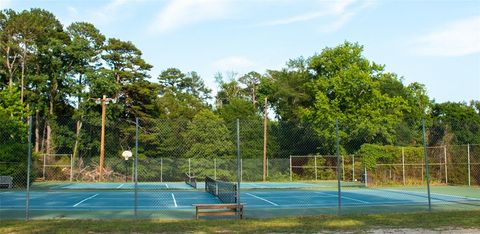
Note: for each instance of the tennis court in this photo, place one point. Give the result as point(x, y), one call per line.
point(175, 199)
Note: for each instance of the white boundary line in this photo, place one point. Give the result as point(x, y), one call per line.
point(120, 186)
point(166, 185)
point(420, 193)
point(263, 199)
point(344, 197)
point(88, 198)
point(174, 200)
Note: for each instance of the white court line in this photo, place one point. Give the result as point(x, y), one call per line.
point(420, 193)
point(120, 186)
point(344, 197)
point(166, 185)
point(275, 204)
point(174, 200)
point(88, 198)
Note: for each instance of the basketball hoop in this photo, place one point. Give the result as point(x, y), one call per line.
point(127, 154)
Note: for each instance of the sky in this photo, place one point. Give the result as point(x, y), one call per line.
point(433, 42)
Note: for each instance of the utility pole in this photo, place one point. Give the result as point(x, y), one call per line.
point(103, 101)
point(265, 141)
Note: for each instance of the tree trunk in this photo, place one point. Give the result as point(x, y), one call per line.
point(49, 129)
point(44, 134)
point(10, 66)
point(23, 71)
point(77, 140)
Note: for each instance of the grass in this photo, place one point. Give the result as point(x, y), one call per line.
point(354, 223)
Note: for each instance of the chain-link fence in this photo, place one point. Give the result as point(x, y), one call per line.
point(81, 168)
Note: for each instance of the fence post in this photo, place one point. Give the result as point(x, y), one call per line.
point(315, 164)
point(215, 168)
point(343, 167)
point(353, 168)
point(71, 167)
point(136, 169)
point(339, 195)
point(468, 163)
point(365, 175)
point(267, 166)
point(403, 166)
point(44, 165)
point(445, 158)
point(29, 162)
point(161, 169)
point(426, 165)
point(239, 173)
point(291, 177)
point(189, 173)
point(241, 169)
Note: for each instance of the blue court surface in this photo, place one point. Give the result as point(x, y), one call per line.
point(253, 199)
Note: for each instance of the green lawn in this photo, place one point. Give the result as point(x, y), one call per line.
point(434, 220)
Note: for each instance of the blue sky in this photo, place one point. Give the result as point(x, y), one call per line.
point(436, 43)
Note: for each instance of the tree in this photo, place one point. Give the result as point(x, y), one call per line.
point(251, 80)
point(83, 56)
point(125, 61)
point(455, 123)
point(10, 50)
point(208, 137)
point(289, 89)
point(175, 81)
point(181, 95)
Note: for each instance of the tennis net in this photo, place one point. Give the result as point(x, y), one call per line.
point(225, 191)
point(191, 180)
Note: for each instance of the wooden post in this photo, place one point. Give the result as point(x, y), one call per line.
point(265, 142)
point(102, 137)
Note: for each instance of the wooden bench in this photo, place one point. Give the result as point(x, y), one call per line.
point(6, 180)
point(225, 209)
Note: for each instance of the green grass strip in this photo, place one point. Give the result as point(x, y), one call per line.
point(355, 223)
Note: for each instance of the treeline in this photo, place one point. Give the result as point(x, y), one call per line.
point(55, 72)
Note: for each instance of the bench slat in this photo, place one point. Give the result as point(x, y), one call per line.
point(217, 213)
point(218, 209)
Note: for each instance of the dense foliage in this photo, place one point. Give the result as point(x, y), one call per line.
point(56, 74)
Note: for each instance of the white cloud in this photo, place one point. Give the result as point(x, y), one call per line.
point(4, 4)
point(72, 10)
point(109, 13)
point(457, 38)
point(327, 8)
point(233, 63)
point(335, 14)
point(100, 15)
point(179, 13)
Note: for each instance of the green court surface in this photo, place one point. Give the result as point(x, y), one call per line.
point(262, 199)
